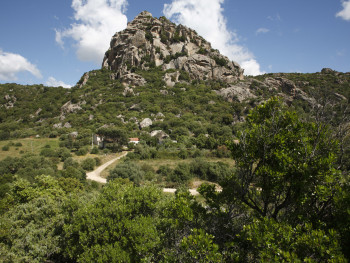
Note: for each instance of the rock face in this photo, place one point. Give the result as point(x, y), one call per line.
point(241, 92)
point(149, 42)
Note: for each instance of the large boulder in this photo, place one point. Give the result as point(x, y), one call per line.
point(145, 123)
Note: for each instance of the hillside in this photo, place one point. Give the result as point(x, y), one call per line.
point(269, 155)
point(193, 106)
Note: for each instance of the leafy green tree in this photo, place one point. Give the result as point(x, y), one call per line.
point(29, 230)
point(88, 164)
point(196, 247)
point(117, 136)
point(127, 170)
point(269, 241)
point(63, 153)
point(181, 174)
point(70, 162)
point(73, 172)
point(119, 226)
point(284, 165)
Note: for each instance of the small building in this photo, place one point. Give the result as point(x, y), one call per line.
point(98, 140)
point(134, 140)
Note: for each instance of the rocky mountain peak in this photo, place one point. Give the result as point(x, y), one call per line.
point(156, 42)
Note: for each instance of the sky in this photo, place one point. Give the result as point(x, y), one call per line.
point(54, 42)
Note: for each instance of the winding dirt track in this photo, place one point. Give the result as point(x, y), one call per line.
point(96, 175)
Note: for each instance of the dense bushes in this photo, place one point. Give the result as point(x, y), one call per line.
point(198, 168)
point(127, 170)
point(88, 164)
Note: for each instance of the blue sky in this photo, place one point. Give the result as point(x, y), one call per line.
point(54, 42)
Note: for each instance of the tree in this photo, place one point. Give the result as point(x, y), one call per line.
point(115, 138)
point(285, 166)
point(269, 241)
point(88, 164)
point(29, 231)
point(127, 170)
point(118, 226)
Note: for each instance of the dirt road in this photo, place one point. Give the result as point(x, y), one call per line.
point(95, 175)
point(173, 190)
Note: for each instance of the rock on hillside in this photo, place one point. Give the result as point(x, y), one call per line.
point(148, 41)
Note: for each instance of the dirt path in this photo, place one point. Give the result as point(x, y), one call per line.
point(95, 175)
point(173, 190)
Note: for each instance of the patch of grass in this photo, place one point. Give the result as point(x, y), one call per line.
point(29, 145)
point(172, 163)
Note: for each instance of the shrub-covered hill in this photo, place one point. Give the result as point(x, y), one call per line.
point(187, 109)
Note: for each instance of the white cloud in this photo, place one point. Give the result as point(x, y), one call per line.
point(206, 17)
point(52, 82)
point(276, 17)
point(96, 23)
point(251, 67)
point(345, 13)
point(11, 64)
point(262, 30)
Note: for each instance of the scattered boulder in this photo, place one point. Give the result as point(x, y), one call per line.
point(171, 78)
point(145, 123)
point(135, 107)
point(163, 92)
point(10, 101)
point(159, 134)
point(57, 125)
point(133, 79)
point(73, 134)
point(160, 115)
point(69, 107)
point(84, 79)
point(240, 92)
point(67, 125)
point(328, 71)
point(128, 92)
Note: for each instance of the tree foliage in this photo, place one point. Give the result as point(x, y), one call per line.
point(284, 165)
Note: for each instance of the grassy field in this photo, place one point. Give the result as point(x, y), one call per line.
point(172, 163)
point(29, 145)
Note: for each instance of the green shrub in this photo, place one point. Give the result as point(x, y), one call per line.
point(82, 151)
point(181, 174)
point(98, 161)
point(47, 152)
point(164, 170)
point(94, 150)
point(183, 154)
point(63, 153)
point(220, 61)
point(149, 36)
point(70, 162)
point(6, 148)
point(202, 51)
point(127, 170)
point(73, 172)
point(88, 164)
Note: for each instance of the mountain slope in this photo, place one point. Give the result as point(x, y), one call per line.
point(159, 76)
